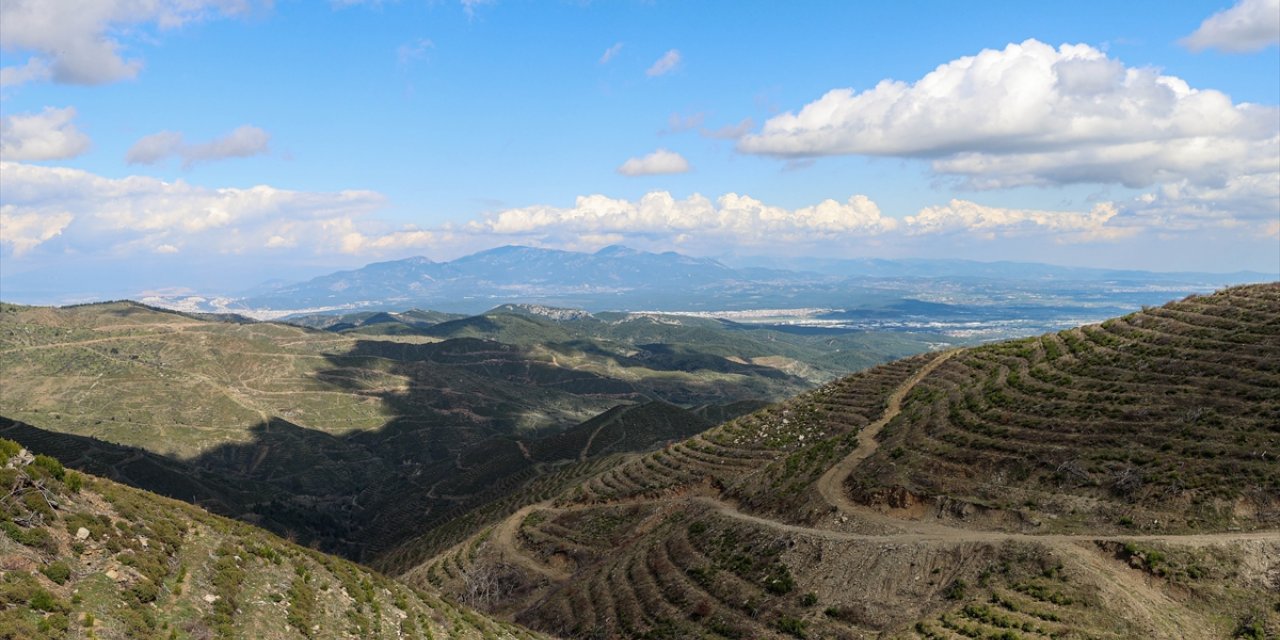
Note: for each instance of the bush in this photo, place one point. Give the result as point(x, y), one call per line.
point(42, 600)
point(779, 581)
point(792, 626)
point(36, 537)
point(74, 482)
point(51, 466)
point(57, 571)
point(9, 448)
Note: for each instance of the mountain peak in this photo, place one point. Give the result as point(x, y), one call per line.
point(618, 251)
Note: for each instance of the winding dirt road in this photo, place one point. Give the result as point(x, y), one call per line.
point(831, 487)
point(831, 484)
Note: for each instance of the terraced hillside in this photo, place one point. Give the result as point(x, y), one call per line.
point(1113, 481)
point(357, 437)
point(84, 557)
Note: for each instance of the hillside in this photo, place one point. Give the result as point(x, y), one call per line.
point(358, 436)
point(86, 557)
point(1112, 481)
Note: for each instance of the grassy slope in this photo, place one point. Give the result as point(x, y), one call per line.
point(964, 521)
point(86, 557)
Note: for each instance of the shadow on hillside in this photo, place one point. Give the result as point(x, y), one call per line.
point(453, 440)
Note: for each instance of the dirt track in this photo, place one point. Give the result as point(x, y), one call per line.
point(831, 484)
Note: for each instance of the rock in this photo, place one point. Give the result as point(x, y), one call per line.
point(82, 534)
point(210, 598)
point(112, 574)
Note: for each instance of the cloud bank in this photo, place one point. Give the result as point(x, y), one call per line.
point(95, 214)
point(56, 215)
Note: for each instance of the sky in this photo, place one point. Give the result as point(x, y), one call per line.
point(212, 145)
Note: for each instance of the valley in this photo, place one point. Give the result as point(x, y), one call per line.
point(378, 426)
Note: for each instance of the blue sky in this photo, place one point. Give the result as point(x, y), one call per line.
point(216, 144)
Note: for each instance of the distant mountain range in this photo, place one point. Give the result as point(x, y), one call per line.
point(619, 278)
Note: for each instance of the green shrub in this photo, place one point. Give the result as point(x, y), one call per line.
point(791, 626)
point(36, 537)
point(74, 482)
point(50, 465)
point(57, 571)
point(9, 448)
point(779, 580)
point(42, 600)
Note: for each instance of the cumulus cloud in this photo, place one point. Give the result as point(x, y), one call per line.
point(79, 42)
point(140, 212)
point(984, 221)
point(246, 141)
point(351, 240)
point(657, 163)
point(48, 135)
point(1245, 199)
point(731, 218)
point(1248, 26)
point(666, 64)
point(25, 231)
point(611, 53)
point(1031, 114)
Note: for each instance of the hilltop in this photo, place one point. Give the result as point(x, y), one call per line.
point(1114, 481)
point(83, 555)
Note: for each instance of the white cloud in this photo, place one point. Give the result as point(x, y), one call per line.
point(657, 163)
point(1063, 226)
point(245, 141)
point(351, 240)
point(1187, 206)
point(34, 69)
point(1033, 114)
point(48, 135)
point(1248, 26)
point(79, 42)
point(611, 53)
point(731, 218)
point(25, 231)
point(414, 50)
point(666, 64)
